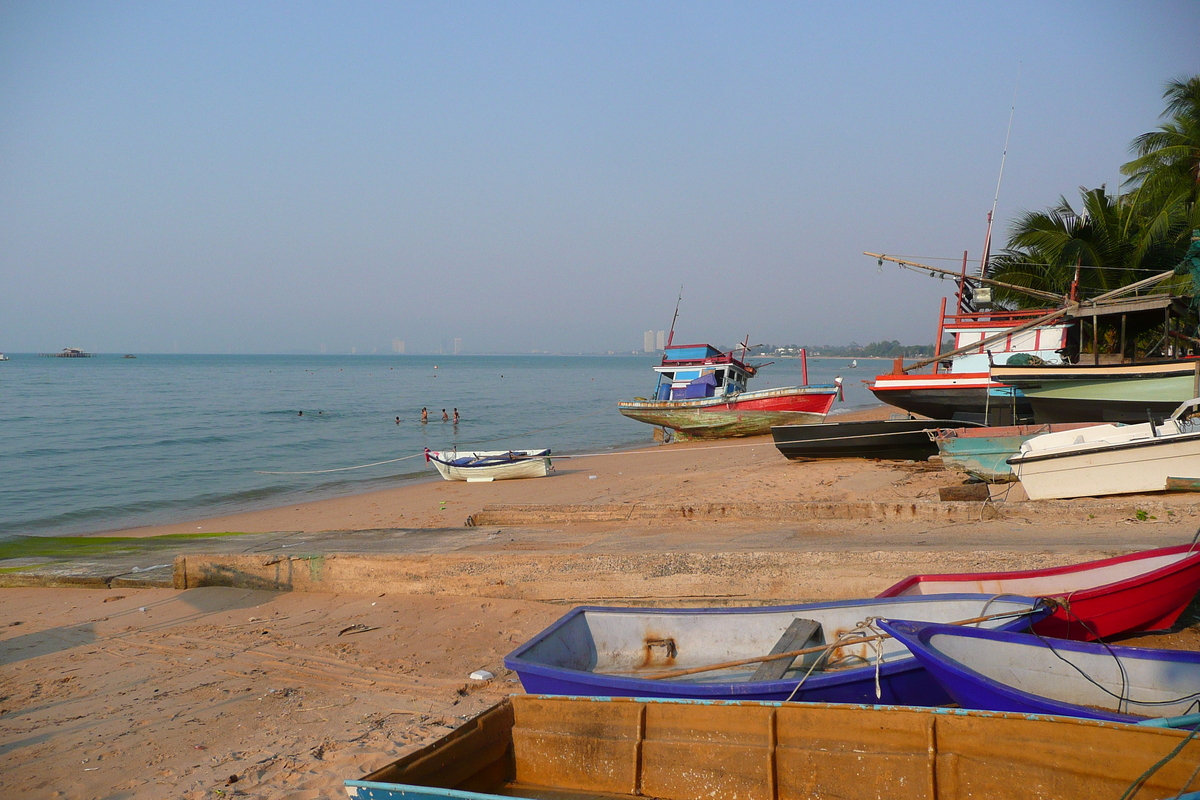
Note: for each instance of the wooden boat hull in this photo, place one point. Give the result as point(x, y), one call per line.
point(744, 414)
point(1113, 393)
point(892, 438)
point(1141, 591)
point(983, 452)
point(611, 651)
point(623, 749)
point(1005, 671)
point(525, 464)
point(1120, 468)
point(967, 396)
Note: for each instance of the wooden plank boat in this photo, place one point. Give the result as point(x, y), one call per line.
point(490, 465)
point(1102, 393)
point(702, 394)
point(885, 438)
point(1140, 591)
point(1006, 671)
point(1111, 459)
point(983, 452)
point(545, 748)
point(640, 652)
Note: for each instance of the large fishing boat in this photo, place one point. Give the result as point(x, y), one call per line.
point(962, 387)
point(1103, 392)
point(701, 393)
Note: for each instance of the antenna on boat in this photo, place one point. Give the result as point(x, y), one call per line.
point(679, 300)
point(987, 240)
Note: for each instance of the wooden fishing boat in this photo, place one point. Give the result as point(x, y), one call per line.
point(490, 465)
point(1147, 590)
point(961, 388)
point(902, 439)
point(1006, 671)
point(1104, 392)
point(1111, 459)
point(702, 394)
point(722, 653)
point(624, 749)
point(983, 452)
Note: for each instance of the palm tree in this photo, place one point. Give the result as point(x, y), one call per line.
point(1099, 240)
point(1165, 175)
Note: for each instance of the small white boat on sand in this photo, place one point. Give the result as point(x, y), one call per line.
point(1111, 459)
point(490, 465)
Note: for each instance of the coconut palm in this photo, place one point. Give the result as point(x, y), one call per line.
point(1165, 175)
point(1100, 240)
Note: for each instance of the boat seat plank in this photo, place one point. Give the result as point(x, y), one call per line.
point(800, 634)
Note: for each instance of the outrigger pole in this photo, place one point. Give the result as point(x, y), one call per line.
point(1057, 298)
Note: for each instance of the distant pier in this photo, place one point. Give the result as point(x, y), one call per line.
point(68, 352)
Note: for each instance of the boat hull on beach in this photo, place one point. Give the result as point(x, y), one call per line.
point(1103, 393)
point(983, 452)
point(1005, 671)
point(1110, 459)
point(635, 652)
point(742, 414)
point(490, 465)
point(961, 396)
point(902, 439)
point(624, 749)
point(1142, 591)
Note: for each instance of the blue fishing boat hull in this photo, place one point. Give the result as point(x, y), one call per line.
point(992, 670)
point(981, 457)
point(582, 653)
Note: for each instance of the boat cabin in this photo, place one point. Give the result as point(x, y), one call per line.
point(1047, 343)
point(696, 371)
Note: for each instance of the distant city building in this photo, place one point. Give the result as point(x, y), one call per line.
point(648, 342)
point(661, 341)
point(398, 346)
point(457, 346)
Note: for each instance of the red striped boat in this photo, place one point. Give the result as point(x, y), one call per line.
point(1141, 591)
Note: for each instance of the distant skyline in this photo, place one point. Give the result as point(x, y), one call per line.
point(219, 177)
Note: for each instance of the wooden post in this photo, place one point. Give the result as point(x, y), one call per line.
point(1095, 340)
point(804, 366)
point(937, 344)
point(1124, 318)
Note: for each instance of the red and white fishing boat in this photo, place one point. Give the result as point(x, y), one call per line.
point(1094, 600)
point(962, 387)
point(701, 393)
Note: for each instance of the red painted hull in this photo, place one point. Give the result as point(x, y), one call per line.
point(744, 414)
point(1136, 592)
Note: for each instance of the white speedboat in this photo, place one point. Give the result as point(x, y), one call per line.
point(3, 357)
point(490, 465)
point(1111, 459)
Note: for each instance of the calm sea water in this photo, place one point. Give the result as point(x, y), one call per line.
point(107, 442)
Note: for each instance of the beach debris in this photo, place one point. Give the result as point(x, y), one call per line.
point(591, 477)
point(142, 609)
point(358, 628)
point(231, 780)
point(481, 675)
point(114, 597)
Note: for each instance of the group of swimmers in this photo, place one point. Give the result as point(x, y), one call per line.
point(425, 416)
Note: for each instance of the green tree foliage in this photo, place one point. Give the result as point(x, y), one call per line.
point(1165, 175)
point(1115, 240)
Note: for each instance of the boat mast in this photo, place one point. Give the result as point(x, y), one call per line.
point(678, 300)
point(987, 239)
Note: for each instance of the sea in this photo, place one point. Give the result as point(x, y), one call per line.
point(108, 443)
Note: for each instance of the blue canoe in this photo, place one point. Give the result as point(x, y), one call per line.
point(993, 670)
point(635, 652)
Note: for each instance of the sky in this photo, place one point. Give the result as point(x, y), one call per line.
point(300, 177)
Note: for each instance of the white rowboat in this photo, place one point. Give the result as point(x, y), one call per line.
point(490, 465)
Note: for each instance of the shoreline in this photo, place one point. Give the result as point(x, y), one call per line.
point(385, 507)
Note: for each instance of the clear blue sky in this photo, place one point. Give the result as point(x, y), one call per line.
point(273, 177)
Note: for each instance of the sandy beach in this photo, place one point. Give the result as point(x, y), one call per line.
point(232, 692)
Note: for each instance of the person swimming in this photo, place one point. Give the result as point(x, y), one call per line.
point(445, 416)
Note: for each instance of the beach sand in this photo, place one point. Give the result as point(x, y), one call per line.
point(222, 692)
